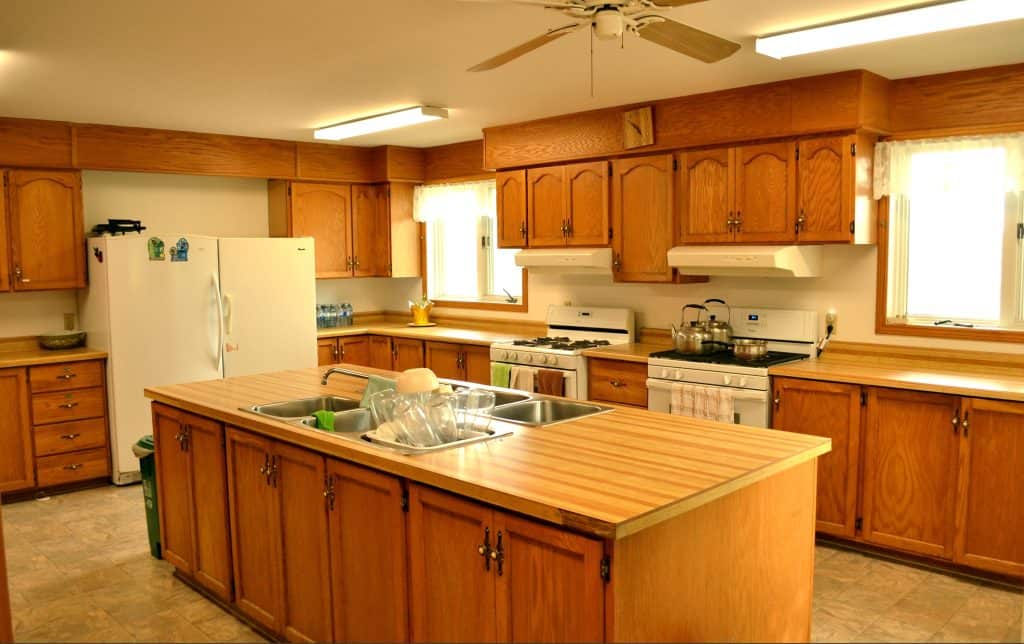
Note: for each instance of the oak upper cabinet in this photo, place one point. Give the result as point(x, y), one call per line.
point(990, 490)
point(281, 555)
point(910, 468)
point(406, 354)
point(45, 231)
point(17, 470)
point(501, 561)
point(707, 195)
point(831, 410)
point(643, 221)
point(834, 202)
point(546, 207)
point(467, 362)
point(371, 247)
point(568, 205)
point(5, 240)
point(511, 208)
point(192, 481)
point(369, 576)
point(324, 212)
point(765, 187)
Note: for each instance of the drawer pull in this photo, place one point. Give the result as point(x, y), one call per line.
point(616, 383)
point(69, 405)
point(74, 467)
point(70, 437)
point(66, 376)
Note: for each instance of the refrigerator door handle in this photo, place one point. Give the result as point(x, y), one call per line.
point(220, 324)
point(228, 313)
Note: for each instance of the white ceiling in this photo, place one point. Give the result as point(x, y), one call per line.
point(277, 68)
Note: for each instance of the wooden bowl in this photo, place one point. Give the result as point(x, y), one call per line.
point(62, 340)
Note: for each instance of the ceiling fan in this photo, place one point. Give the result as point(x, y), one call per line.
point(610, 19)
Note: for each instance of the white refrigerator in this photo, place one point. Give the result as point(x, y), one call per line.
point(175, 308)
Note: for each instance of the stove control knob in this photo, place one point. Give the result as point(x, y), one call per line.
point(743, 381)
point(727, 380)
point(504, 355)
point(528, 357)
point(666, 374)
point(679, 374)
point(553, 361)
point(542, 359)
point(513, 355)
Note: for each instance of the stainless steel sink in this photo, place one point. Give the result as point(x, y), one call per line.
point(547, 411)
point(501, 396)
point(293, 409)
point(347, 422)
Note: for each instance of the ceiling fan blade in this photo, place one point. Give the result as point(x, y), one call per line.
point(674, 3)
point(687, 40)
point(525, 48)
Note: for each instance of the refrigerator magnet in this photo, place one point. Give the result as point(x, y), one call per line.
point(155, 246)
point(179, 252)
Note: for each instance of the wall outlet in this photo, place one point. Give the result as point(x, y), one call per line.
point(831, 319)
point(69, 321)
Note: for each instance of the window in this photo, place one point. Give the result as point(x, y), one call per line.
point(954, 256)
point(463, 263)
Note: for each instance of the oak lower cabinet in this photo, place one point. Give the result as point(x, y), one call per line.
point(381, 355)
point(16, 458)
point(831, 410)
point(468, 362)
point(643, 218)
point(192, 484)
point(395, 354)
point(618, 382)
point(516, 580)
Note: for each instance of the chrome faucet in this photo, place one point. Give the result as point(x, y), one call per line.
point(345, 372)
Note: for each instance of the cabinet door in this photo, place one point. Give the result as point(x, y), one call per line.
point(369, 231)
point(766, 192)
point(209, 480)
point(476, 363)
point(706, 196)
point(587, 203)
point(382, 248)
point(831, 410)
point(511, 208)
point(324, 212)
point(546, 219)
point(408, 354)
point(380, 352)
point(543, 566)
point(642, 218)
point(990, 488)
point(255, 529)
point(16, 465)
point(298, 483)
point(354, 350)
point(910, 462)
point(452, 589)
point(5, 275)
point(174, 483)
point(825, 187)
point(368, 555)
point(445, 359)
point(46, 229)
point(327, 351)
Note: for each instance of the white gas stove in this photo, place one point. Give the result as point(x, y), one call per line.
point(571, 329)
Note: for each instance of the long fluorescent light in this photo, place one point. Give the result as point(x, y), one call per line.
point(380, 122)
point(944, 16)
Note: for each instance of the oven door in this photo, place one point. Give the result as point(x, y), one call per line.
point(751, 406)
point(571, 382)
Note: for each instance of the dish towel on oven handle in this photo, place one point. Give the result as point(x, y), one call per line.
point(706, 403)
point(550, 382)
point(522, 379)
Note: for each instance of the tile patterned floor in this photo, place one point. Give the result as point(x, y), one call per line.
point(80, 571)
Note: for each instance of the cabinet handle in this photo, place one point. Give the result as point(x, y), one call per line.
point(617, 262)
point(273, 472)
point(777, 400)
point(334, 351)
point(956, 422)
point(965, 424)
point(69, 437)
point(739, 221)
point(265, 468)
point(20, 275)
point(66, 376)
point(341, 348)
point(522, 230)
point(355, 261)
point(329, 492)
point(74, 467)
point(568, 228)
point(729, 223)
point(348, 262)
point(616, 383)
point(484, 549)
point(69, 405)
point(498, 555)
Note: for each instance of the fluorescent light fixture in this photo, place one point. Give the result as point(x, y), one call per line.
point(380, 122)
point(926, 19)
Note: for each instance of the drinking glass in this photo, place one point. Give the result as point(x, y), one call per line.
point(440, 410)
point(472, 410)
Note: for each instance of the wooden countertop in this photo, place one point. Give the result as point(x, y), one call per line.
point(609, 475)
point(632, 352)
point(27, 357)
point(440, 333)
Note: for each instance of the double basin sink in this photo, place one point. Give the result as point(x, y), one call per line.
point(353, 422)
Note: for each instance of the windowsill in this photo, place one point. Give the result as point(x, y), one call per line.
point(893, 327)
point(484, 305)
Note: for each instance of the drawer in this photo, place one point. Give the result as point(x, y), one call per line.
point(70, 437)
point(618, 381)
point(68, 468)
point(60, 406)
point(67, 375)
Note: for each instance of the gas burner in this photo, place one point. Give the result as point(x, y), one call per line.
point(725, 357)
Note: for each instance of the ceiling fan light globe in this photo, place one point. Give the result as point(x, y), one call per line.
point(608, 24)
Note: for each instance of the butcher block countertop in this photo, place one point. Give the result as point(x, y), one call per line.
point(960, 373)
point(437, 333)
point(609, 475)
point(25, 352)
point(632, 352)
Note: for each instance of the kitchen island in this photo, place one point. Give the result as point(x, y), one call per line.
point(624, 526)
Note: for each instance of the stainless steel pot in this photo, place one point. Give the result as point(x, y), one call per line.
point(693, 337)
point(749, 349)
point(721, 330)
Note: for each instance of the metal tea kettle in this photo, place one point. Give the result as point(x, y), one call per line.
point(692, 337)
point(720, 330)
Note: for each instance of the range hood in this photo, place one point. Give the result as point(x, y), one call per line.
point(593, 261)
point(748, 261)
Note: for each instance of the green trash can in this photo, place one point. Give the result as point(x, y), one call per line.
point(147, 465)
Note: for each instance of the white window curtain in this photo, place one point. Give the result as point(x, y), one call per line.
point(449, 201)
point(954, 205)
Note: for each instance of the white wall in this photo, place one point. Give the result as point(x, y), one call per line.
point(848, 286)
point(369, 293)
point(34, 313)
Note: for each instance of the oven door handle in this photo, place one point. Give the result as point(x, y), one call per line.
point(738, 394)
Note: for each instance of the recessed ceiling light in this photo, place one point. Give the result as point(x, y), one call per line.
point(380, 122)
point(943, 16)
